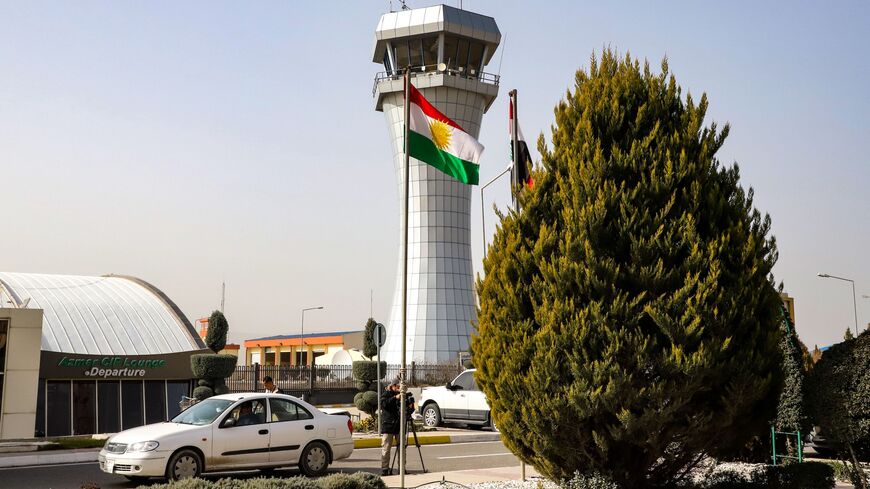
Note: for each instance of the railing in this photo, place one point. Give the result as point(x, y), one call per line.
point(428, 70)
point(294, 379)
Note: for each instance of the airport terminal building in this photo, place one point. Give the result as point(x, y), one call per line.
point(82, 355)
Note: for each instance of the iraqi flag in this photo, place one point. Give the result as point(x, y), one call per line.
point(440, 142)
point(524, 167)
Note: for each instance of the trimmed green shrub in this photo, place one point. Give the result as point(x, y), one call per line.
point(221, 389)
point(807, 475)
point(730, 480)
point(369, 481)
point(363, 385)
point(370, 347)
point(185, 484)
point(366, 402)
point(339, 481)
point(216, 337)
point(204, 383)
point(629, 320)
point(359, 480)
point(367, 370)
point(211, 366)
point(203, 392)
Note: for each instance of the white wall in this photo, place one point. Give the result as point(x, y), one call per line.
point(18, 408)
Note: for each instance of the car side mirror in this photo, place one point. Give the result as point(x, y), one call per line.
point(229, 422)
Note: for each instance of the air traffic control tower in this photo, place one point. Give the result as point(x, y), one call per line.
point(446, 50)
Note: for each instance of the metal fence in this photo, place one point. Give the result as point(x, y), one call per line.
point(298, 378)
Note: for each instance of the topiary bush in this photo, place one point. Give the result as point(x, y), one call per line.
point(370, 347)
point(628, 311)
point(211, 366)
point(366, 402)
point(216, 336)
point(203, 392)
point(358, 480)
point(365, 370)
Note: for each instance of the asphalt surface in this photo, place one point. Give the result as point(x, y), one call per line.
point(437, 458)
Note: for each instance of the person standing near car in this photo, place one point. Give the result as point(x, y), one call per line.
point(270, 386)
point(390, 421)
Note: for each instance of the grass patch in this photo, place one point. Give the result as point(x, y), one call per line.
point(69, 443)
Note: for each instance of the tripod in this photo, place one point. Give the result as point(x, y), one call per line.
point(409, 428)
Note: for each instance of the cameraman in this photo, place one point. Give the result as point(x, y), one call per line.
point(391, 422)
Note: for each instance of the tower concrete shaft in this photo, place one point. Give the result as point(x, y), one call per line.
point(445, 50)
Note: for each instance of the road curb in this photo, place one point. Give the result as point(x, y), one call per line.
point(48, 458)
point(431, 439)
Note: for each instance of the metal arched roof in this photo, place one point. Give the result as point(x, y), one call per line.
point(109, 315)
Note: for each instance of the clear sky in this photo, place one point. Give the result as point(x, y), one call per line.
point(188, 143)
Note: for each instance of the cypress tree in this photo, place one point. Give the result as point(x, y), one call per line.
point(628, 321)
point(790, 414)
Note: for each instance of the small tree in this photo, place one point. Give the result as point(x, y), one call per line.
point(370, 347)
point(848, 335)
point(839, 398)
point(790, 415)
point(212, 369)
point(628, 320)
point(216, 337)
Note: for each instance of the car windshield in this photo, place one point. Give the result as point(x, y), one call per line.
point(203, 413)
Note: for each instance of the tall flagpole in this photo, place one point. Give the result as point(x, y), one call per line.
point(515, 174)
point(402, 386)
point(516, 185)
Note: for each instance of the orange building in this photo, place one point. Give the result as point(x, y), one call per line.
point(298, 349)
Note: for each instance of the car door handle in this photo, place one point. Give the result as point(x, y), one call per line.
point(263, 432)
point(309, 427)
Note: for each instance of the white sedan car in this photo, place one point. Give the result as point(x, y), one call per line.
point(231, 431)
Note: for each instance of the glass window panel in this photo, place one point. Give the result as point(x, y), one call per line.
point(109, 406)
point(176, 389)
point(387, 66)
point(84, 407)
point(402, 55)
point(450, 51)
point(416, 47)
point(475, 58)
point(430, 52)
point(155, 401)
point(131, 404)
point(464, 381)
point(40, 409)
point(462, 53)
point(58, 397)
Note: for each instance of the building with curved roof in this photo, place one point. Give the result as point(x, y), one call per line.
point(108, 315)
point(87, 355)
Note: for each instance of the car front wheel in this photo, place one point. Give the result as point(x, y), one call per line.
point(431, 415)
point(184, 464)
point(314, 460)
point(492, 425)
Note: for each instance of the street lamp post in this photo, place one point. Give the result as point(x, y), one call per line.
point(854, 300)
point(302, 336)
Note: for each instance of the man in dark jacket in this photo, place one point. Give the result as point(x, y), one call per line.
point(390, 422)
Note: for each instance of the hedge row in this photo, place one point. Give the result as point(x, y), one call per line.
point(359, 480)
point(808, 475)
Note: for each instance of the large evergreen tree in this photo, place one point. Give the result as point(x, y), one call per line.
point(628, 321)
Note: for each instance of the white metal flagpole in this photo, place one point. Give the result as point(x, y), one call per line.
point(402, 386)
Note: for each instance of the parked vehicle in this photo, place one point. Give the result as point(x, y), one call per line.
point(460, 401)
point(231, 431)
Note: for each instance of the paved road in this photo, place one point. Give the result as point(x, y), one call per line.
point(438, 458)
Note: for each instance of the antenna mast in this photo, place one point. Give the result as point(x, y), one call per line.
point(223, 294)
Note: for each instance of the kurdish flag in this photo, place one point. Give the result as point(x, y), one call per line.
point(440, 142)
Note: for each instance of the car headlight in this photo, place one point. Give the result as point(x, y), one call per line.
point(143, 446)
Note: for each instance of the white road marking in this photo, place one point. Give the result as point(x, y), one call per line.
point(475, 456)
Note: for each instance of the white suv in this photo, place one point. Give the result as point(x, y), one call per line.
point(459, 401)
